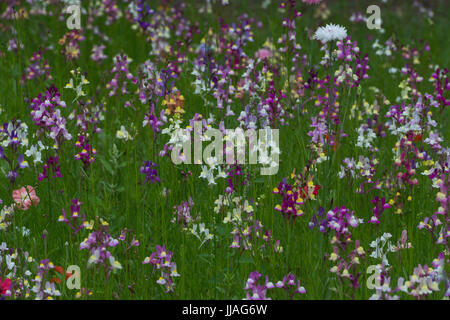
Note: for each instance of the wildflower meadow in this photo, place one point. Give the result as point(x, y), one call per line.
point(224, 150)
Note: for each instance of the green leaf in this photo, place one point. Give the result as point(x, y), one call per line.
point(107, 166)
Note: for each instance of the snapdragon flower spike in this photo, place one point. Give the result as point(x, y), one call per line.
point(380, 206)
point(143, 12)
point(319, 219)
point(72, 221)
point(340, 219)
point(272, 108)
point(383, 284)
point(70, 44)
point(21, 164)
point(53, 164)
point(439, 230)
point(423, 282)
point(38, 69)
point(254, 291)
point(87, 153)
point(152, 120)
point(13, 135)
point(150, 172)
point(111, 11)
point(236, 178)
point(443, 196)
point(16, 278)
point(119, 84)
point(290, 207)
point(98, 243)
point(43, 288)
point(320, 130)
point(161, 260)
point(441, 84)
point(133, 242)
point(97, 53)
point(47, 115)
point(290, 286)
point(182, 213)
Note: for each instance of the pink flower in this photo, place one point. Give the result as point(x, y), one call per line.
point(311, 1)
point(24, 198)
point(263, 54)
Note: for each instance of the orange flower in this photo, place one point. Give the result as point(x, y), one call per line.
point(417, 137)
point(60, 270)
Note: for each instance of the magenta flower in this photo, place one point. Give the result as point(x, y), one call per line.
point(380, 206)
point(311, 1)
point(52, 163)
point(5, 287)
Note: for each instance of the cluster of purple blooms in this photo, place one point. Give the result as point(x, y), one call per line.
point(97, 53)
point(52, 164)
point(245, 237)
point(133, 241)
point(441, 84)
point(43, 288)
point(98, 243)
point(121, 76)
point(46, 114)
point(38, 69)
point(290, 205)
point(380, 206)
point(149, 169)
point(87, 153)
point(143, 11)
point(161, 260)
point(258, 291)
point(235, 178)
point(182, 213)
point(13, 135)
point(152, 120)
point(73, 221)
point(345, 260)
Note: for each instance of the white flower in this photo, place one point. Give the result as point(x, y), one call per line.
point(114, 263)
point(161, 280)
point(35, 152)
point(330, 32)
point(95, 257)
point(123, 134)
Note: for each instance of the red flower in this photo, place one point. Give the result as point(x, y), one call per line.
point(305, 191)
point(5, 286)
point(60, 270)
point(417, 137)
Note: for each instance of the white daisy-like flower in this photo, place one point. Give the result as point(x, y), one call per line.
point(330, 32)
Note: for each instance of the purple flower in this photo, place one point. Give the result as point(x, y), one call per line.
point(150, 172)
point(75, 211)
point(99, 243)
point(380, 206)
point(161, 260)
point(52, 163)
point(87, 153)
